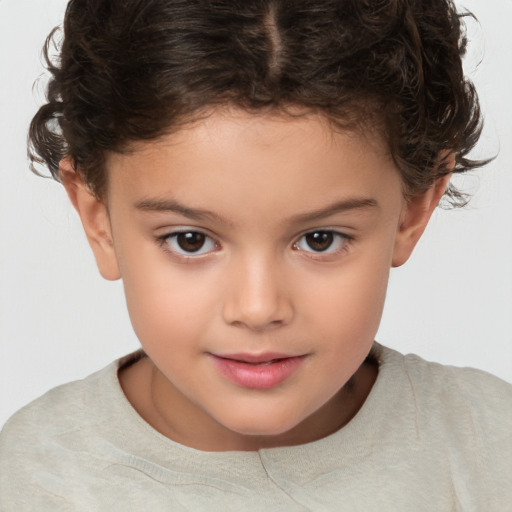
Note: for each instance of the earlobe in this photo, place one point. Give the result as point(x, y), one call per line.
point(415, 216)
point(93, 213)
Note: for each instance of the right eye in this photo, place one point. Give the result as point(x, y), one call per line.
point(189, 243)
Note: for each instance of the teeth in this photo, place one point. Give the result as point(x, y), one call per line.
point(263, 363)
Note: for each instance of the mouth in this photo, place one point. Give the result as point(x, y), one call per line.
point(262, 371)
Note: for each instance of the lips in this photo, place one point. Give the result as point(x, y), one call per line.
point(263, 371)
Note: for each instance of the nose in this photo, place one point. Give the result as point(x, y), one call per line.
point(258, 297)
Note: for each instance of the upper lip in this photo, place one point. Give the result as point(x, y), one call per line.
point(256, 358)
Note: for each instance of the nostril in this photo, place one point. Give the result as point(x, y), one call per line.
point(257, 300)
point(257, 327)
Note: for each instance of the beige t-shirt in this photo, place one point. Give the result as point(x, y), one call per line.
point(428, 438)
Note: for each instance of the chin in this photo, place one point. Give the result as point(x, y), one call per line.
point(267, 427)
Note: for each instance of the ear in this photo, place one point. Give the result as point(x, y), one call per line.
point(93, 213)
point(414, 219)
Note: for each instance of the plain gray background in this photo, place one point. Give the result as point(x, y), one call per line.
point(60, 321)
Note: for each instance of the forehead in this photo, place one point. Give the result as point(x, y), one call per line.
point(266, 158)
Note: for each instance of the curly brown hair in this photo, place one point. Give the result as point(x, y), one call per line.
point(131, 70)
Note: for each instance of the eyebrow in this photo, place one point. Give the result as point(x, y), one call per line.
point(169, 205)
point(337, 207)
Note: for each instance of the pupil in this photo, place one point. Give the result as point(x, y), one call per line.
point(191, 242)
point(320, 240)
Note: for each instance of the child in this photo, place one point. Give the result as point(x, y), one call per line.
point(252, 170)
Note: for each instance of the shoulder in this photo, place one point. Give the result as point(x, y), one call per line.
point(462, 422)
point(458, 394)
point(486, 396)
point(464, 397)
point(51, 432)
point(474, 405)
point(60, 409)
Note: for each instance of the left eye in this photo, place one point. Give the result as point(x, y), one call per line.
point(321, 241)
point(190, 243)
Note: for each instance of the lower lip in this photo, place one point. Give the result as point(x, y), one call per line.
point(258, 376)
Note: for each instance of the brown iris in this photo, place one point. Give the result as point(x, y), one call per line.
point(191, 241)
point(320, 240)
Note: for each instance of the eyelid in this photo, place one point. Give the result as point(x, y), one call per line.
point(163, 242)
point(318, 255)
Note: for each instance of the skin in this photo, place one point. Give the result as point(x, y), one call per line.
point(256, 285)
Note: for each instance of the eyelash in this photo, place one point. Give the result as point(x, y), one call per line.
point(344, 241)
point(165, 244)
point(342, 238)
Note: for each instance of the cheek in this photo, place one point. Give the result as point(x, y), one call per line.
point(166, 302)
point(348, 300)
point(347, 320)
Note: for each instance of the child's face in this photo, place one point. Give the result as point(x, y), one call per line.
point(253, 238)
